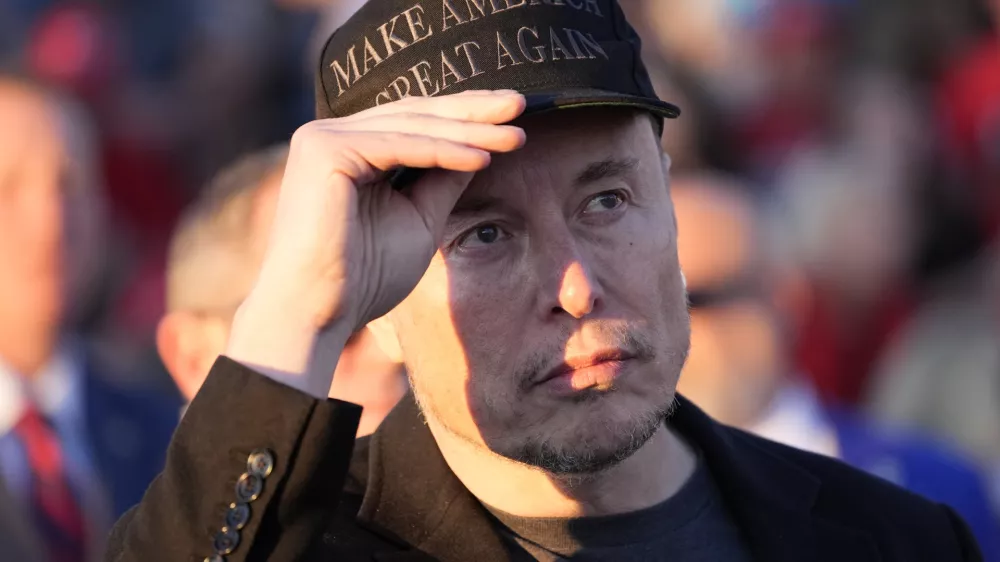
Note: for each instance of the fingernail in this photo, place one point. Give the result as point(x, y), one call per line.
point(522, 136)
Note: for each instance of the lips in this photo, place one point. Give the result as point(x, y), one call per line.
point(584, 362)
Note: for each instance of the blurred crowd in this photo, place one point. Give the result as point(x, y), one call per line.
point(837, 176)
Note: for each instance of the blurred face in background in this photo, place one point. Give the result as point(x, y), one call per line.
point(49, 213)
point(735, 364)
point(206, 288)
point(849, 223)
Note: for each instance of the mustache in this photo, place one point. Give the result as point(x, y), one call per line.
point(618, 336)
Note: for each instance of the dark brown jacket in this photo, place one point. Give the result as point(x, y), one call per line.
point(397, 501)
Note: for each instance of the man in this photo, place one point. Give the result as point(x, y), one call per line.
point(214, 257)
point(527, 275)
point(738, 370)
point(956, 328)
point(77, 448)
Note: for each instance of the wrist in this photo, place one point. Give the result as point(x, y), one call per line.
point(271, 338)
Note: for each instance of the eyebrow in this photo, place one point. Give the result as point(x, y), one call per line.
point(476, 205)
point(596, 171)
point(607, 168)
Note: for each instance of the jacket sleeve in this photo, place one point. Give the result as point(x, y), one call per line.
point(253, 472)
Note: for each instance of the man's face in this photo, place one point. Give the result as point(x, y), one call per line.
point(47, 210)
point(735, 364)
point(551, 325)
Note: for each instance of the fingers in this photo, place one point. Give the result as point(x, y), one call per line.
point(456, 132)
point(494, 138)
point(483, 106)
point(358, 153)
point(435, 195)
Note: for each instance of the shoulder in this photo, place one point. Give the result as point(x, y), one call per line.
point(852, 498)
point(835, 477)
point(112, 401)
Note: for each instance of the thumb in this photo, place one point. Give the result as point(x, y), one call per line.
point(434, 196)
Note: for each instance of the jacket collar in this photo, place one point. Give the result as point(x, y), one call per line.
point(413, 494)
point(413, 498)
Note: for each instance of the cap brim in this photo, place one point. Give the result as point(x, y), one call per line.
point(541, 102)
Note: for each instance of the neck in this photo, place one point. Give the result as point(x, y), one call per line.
point(650, 476)
point(27, 349)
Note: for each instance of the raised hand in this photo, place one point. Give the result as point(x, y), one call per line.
point(345, 246)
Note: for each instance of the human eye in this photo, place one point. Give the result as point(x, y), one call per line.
point(604, 202)
point(481, 236)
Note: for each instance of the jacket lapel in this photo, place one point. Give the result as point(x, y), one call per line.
point(771, 499)
point(412, 494)
point(19, 540)
point(412, 497)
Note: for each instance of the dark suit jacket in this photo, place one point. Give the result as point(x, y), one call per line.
point(129, 430)
point(127, 433)
point(399, 502)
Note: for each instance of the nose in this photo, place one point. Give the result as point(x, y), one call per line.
point(567, 284)
point(579, 293)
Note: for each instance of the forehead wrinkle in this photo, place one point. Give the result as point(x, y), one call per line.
point(503, 187)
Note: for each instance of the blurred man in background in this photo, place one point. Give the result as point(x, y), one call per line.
point(214, 257)
point(942, 372)
point(739, 366)
point(77, 448)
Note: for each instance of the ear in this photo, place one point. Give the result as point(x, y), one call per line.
point(386, 338)
point(189, 345)
point(667, 162)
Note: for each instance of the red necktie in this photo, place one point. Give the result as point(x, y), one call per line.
point(56, 511)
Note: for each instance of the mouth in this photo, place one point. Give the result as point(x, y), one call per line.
point(598, 370)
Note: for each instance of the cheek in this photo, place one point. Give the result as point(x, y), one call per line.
point(642, 266)
point(452, 326)
point(491, 315)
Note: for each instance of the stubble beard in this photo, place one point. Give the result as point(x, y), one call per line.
point(582, 458)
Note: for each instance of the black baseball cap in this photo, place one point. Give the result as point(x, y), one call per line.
point(558, 53)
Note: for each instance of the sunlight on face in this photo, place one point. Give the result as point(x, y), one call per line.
point(552, 324)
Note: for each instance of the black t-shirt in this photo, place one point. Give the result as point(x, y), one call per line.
point(690, 526)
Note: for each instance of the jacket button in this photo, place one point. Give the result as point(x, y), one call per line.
point(260, 463)
point(248, 488)
point(215, 558)
point(226, 541)
point(237, 516)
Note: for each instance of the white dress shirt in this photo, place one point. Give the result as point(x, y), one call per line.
point(58, 391)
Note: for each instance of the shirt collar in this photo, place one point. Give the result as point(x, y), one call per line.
point(796, 417)
point(12, 401)
point(55, 390)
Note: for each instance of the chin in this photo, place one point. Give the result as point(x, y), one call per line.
point(593, 432)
